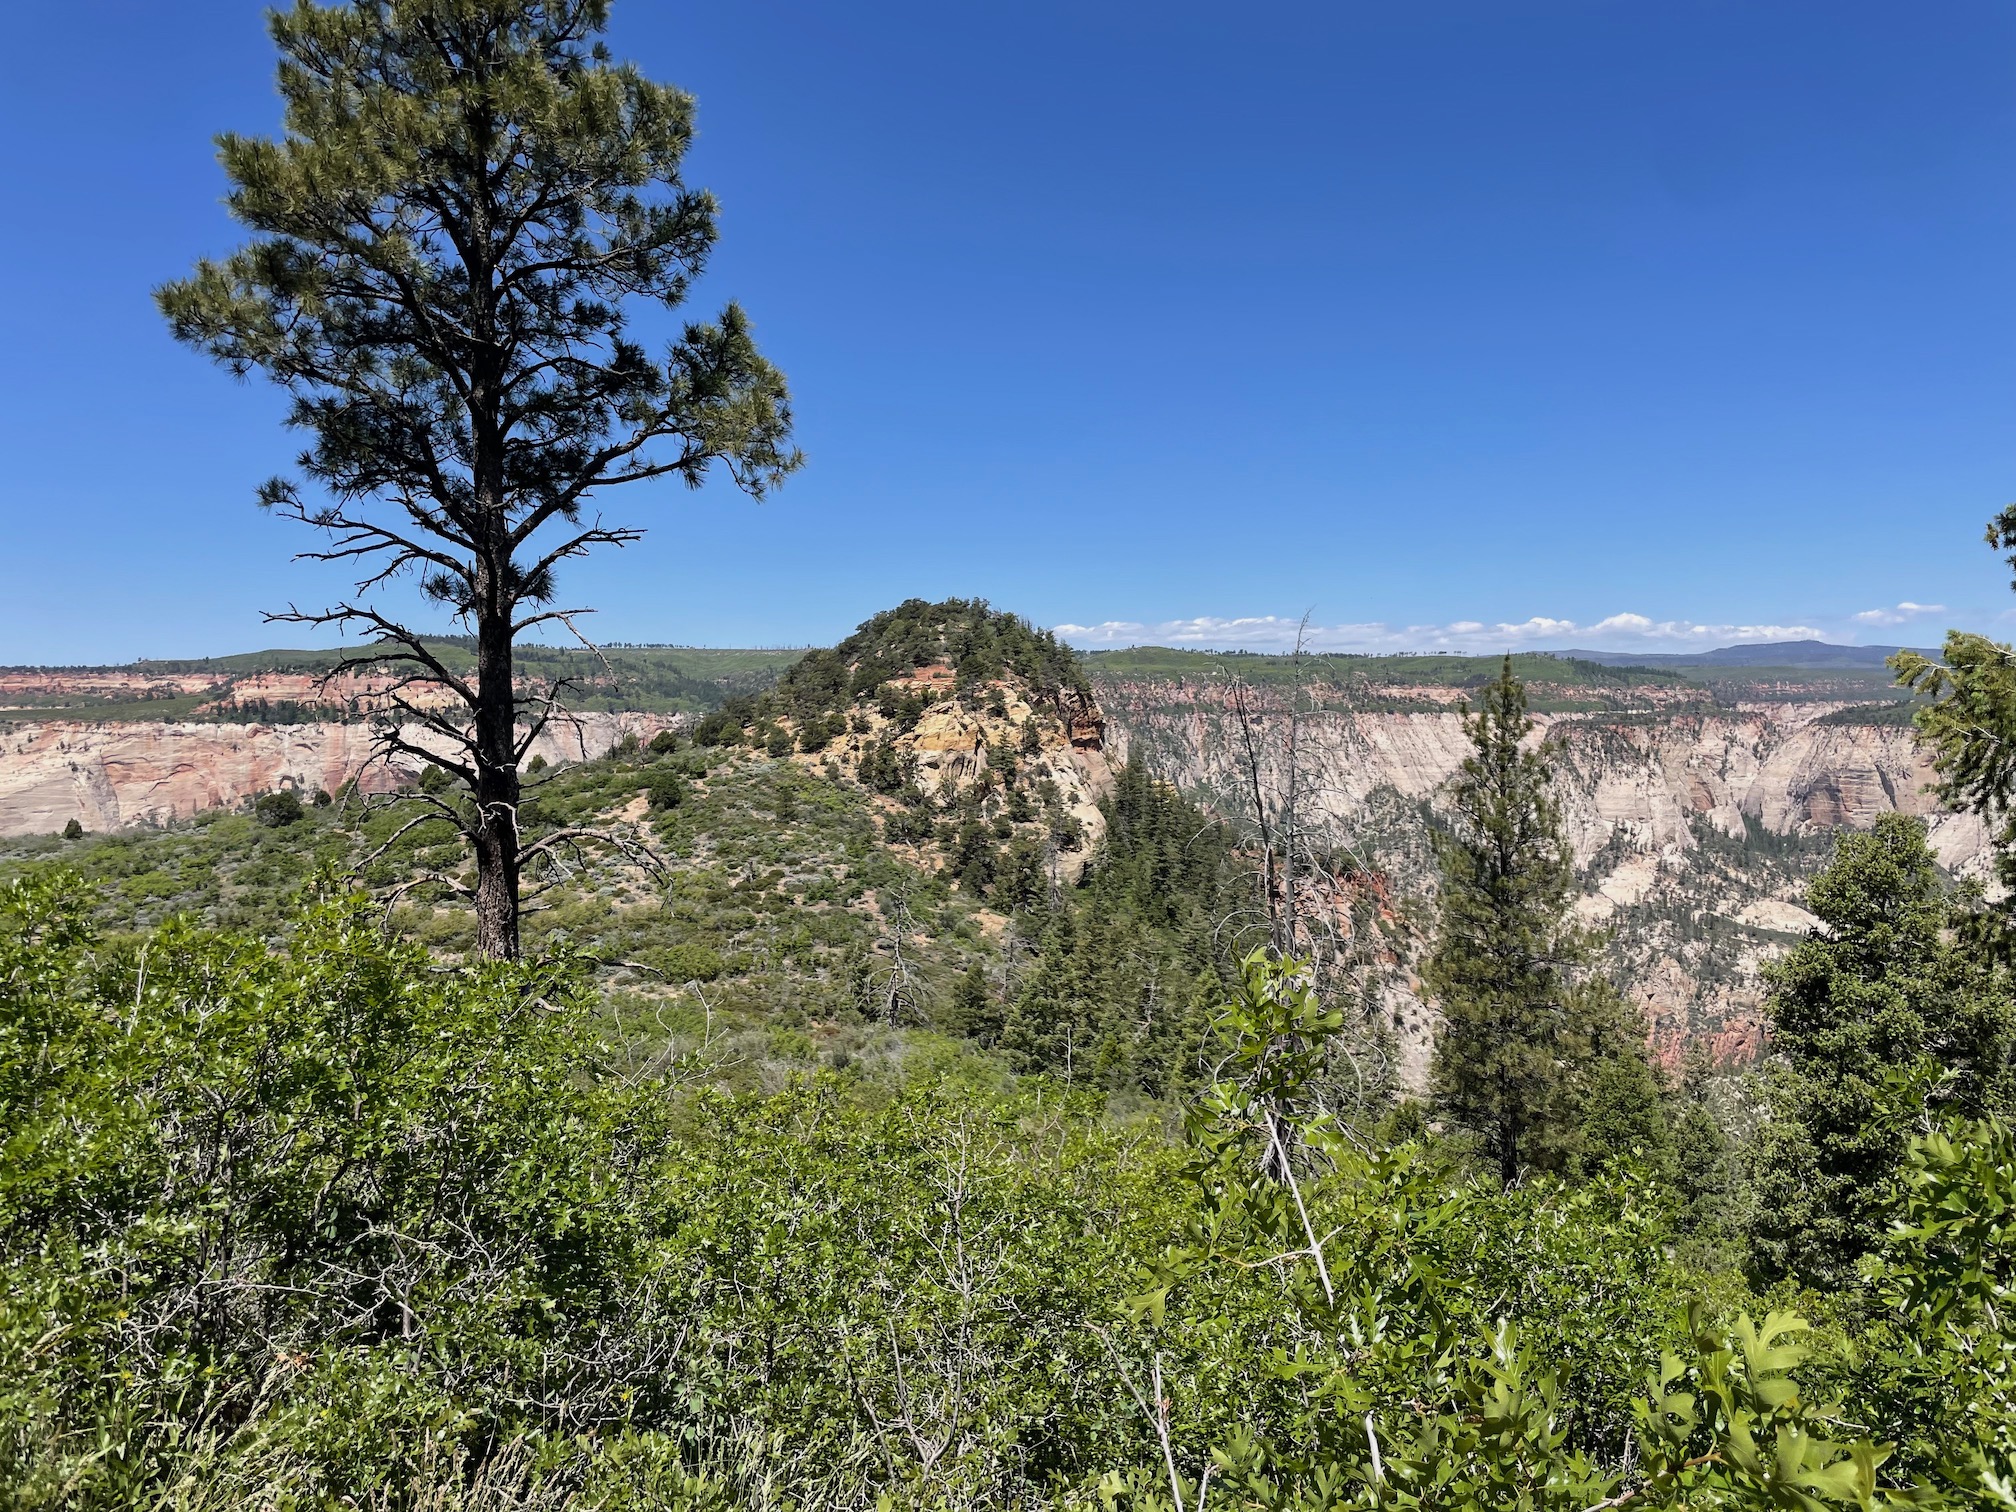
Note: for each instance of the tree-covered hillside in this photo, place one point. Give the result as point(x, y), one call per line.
point(824, 1151)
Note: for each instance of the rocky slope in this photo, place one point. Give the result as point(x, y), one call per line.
point(965, 741)
point(1695, 827)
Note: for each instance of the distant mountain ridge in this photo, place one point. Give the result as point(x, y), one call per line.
point(1799, 653)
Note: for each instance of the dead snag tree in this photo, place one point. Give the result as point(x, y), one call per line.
point(468, 200)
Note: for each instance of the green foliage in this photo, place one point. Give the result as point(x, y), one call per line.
point(1522, 1038)
point(1968, 726)
point(979, 643)
point(1942, 1363)
point(1879, 1013)
point(311, 1224)
point(278, 809)
point(1729, 1426)
point(1413, 1372)
point(724, 726)
point(73, 830)
point(1126, 964)
point(322, 1221)
point(230, 1168)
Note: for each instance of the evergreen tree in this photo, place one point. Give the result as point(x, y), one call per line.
point(1622, 1116)
point(1614, 1096)
point(1701, 1152)
point(1878, 1013)
point(974, 1012)
point(1969, 727)
point(467, 195)
point(1510, 1065)
point(1128, 964)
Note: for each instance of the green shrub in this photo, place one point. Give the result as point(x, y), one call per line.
point(276, 810)
point(689, 963)
point(721, 728)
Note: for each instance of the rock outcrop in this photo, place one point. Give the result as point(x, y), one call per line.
point(952, 748)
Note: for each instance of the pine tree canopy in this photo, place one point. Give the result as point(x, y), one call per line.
point(1876, 1014)
point(468, 197)
point(1505, 942)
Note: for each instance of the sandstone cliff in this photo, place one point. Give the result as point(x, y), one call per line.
point(954, 746)
point(1695, 828)
point(112, 776)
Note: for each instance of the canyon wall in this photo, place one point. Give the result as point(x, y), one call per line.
point(1695, 828)
point(115, 775)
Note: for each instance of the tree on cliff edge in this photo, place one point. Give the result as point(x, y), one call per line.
point(467, 196)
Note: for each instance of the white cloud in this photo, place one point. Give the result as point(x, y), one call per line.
point(1899, 615)
point(1272, 632)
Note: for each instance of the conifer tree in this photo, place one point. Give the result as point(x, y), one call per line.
point(974, 1012)
point(1511, 1049)
point(1880, 1011)
point(467, 195)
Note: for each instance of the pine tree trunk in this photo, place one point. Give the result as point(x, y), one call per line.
point(496, 757)
point(496, 600)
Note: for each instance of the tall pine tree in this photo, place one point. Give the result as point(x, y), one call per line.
point(1516, 1045)
point(468, 196)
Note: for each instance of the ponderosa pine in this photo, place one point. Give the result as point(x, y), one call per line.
point(467, 196)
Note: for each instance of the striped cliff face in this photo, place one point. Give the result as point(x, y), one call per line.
point(1695, 826)
point(119, 774)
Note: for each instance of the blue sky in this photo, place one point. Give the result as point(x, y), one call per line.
point(1534, 322)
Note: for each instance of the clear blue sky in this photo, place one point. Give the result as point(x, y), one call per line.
point(1420, 315)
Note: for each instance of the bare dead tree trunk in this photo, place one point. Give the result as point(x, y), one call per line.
point(1269, 896)
point(1291, 818)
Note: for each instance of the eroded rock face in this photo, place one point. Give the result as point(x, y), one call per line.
point(1695, 829)
point(113, 776)
point(1644, 779)
point(951, 743)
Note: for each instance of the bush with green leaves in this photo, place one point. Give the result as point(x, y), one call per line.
point(322, 1201)
point(276, 810)
point(1939, 1364)
point(322, 1220)
point(1410, 1375)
